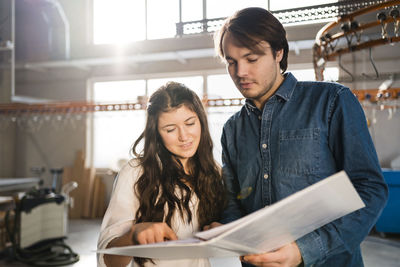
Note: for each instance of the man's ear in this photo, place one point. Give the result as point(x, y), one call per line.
point(279, 56)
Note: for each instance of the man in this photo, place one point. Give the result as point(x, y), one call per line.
point(289, 135)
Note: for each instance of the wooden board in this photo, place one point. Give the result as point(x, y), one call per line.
point(90, 196)
point(101, 209)
point(96, 190)
point(78, 171)
point(88, 188)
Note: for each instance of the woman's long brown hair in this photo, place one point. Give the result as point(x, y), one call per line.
point(163, 173)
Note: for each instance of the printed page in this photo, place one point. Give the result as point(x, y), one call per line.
point(214, 232)
point(187, 248)
point(264, 230)
point(294, 216)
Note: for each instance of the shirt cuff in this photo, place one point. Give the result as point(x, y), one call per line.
point(311, 249)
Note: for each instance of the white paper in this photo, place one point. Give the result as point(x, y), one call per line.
point(264, 230)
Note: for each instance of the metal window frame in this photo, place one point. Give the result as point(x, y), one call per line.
point(287, 16)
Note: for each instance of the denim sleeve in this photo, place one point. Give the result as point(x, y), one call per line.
point(232, 210)
point(352, 148)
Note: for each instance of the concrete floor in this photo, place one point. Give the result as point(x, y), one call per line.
point(377, 251)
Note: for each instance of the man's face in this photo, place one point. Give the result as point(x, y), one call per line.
point(256, 75)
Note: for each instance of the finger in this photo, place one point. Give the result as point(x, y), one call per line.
point(215, 224)
point(156, 232)
point(140, 239)
point(169, 234)
point(159, 237)
point(150, 239)
point(257, 261)
point(273, 256)
point(206, 227)
point(260, 258)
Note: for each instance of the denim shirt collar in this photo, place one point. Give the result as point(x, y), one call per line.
point(285, 91)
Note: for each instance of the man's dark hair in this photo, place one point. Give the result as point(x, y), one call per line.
point(249, 27)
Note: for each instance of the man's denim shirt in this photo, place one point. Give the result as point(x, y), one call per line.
point(305, 132)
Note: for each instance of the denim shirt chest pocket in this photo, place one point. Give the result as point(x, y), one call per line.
point(299, 151)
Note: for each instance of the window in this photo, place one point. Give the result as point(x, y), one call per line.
point(220, 86)
point(118, 21)
point(114, 132)
point(225, 8)
point(195, 83)
point(161, 18)
point(279, 4)
point(192, 10)
point(330, 74)
point(125, 21)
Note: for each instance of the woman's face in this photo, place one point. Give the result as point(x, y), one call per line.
point(180, 131)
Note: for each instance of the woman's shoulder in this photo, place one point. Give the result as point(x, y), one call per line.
point(130, 171)
point(131, 165)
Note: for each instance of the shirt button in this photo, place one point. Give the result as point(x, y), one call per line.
point(264, 146)
point(259, 117)
point(265, 176)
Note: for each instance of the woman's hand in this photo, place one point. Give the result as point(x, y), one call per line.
point(211, 225)
point(151, 232)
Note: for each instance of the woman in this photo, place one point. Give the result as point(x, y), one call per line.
point(174, 187)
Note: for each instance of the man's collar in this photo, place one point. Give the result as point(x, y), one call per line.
point(250, 107)
point(285, 91)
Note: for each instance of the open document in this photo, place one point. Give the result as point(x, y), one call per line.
point(264, 230)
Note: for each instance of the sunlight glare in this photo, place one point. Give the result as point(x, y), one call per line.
point(118, 21)
point(224, 8)
point(288, 4)
point(192, 10)
point(162, 18)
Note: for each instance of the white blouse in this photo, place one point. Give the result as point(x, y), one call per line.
point(121, 212)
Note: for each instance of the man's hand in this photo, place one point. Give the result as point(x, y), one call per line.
point(286, 256)
point(211, 225)
point(149, 232)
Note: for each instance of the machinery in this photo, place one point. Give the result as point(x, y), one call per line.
point(40, 225)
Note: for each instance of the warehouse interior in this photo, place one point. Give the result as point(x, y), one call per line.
point(75, 77)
